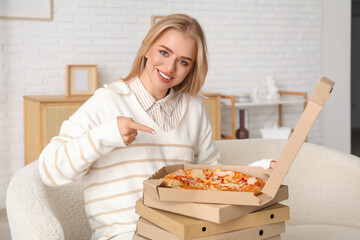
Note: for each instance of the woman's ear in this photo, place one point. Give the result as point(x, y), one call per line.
point(146, 54)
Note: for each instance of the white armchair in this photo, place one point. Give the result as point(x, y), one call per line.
point(322, 182)
point(38, 212)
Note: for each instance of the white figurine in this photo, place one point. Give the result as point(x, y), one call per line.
point(273, 91)
point(257, 96)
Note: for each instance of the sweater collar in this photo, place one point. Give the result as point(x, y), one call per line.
point(147, 101)
point(118, 86)
point(121, 87)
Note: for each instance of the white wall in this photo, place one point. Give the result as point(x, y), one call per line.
point(247, 41)
point(336, 66)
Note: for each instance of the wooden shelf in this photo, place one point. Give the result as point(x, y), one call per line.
point(269, 103)
point(287, 98)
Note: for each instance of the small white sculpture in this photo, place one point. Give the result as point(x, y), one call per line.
point(256, 95)
point(273, 91)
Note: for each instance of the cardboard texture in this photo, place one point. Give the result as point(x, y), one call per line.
point(273, 182)
point(217, 213)
point(151, 231)
point(277, 237)
point(188, 228)
point(139, 237)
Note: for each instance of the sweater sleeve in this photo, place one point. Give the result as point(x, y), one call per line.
point(83, 139)
point(206, 152)
point(265, 163)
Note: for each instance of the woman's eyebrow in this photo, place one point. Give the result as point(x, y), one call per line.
point(172, 52)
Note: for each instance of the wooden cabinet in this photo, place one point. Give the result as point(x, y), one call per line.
point(213, 109)
point(43, 116)
point(212, 103)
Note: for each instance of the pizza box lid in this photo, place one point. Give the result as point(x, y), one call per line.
point(317, 100)
point(273, 178)
point(151, 231)
point(190, 228)
point(217, 213)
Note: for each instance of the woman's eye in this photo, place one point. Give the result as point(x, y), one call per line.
point(164, 53)
point(183, 62)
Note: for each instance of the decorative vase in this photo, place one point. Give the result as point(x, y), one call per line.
point(242, 132)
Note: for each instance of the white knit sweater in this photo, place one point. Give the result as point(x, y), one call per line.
point(90, 147)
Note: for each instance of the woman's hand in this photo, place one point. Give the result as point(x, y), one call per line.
point(272, 164)
point(128, 129)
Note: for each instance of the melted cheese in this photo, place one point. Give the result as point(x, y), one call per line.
point(174, 183)
point(252, 181)
point(224, 173)
point(232, 185)
point(198, 173)
point(180, 172)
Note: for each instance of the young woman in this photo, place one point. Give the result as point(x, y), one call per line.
point(132, 127)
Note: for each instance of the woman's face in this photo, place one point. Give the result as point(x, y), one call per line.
point(169, 60)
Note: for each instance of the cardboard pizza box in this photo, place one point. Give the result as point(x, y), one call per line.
point(217, 213)
point(152, 186)
point(189, 228)
point(151, 231)
point(277, 237)
point(139, 237)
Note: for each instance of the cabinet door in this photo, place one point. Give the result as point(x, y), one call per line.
point(52, 117)
point(212, 107)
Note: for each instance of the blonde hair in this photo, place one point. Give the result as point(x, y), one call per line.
point(189, 26)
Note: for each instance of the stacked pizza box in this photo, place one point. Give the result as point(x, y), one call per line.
point(207, 217)
point(168, 213)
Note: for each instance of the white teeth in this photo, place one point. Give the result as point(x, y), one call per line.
point(164, 76)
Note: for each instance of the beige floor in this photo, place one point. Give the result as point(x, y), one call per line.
point(4, 226)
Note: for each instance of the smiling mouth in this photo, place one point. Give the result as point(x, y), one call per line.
point(164, 75)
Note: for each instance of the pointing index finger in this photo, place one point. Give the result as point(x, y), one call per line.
point(141, 127)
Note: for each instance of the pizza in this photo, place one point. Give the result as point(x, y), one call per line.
point(213, 180)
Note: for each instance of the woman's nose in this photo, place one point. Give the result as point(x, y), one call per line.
point(171, 66)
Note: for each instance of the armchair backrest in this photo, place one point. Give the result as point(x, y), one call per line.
point(322, 182)
point(36, 211)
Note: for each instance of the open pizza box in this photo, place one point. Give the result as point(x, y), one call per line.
point(273, 179)
point(184, 227)
point(151, 231)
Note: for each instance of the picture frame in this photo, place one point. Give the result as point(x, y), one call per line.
point(28, 10)
point(81, 80)
point(155, 18)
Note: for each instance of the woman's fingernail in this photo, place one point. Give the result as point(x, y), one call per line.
point(153, 132)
